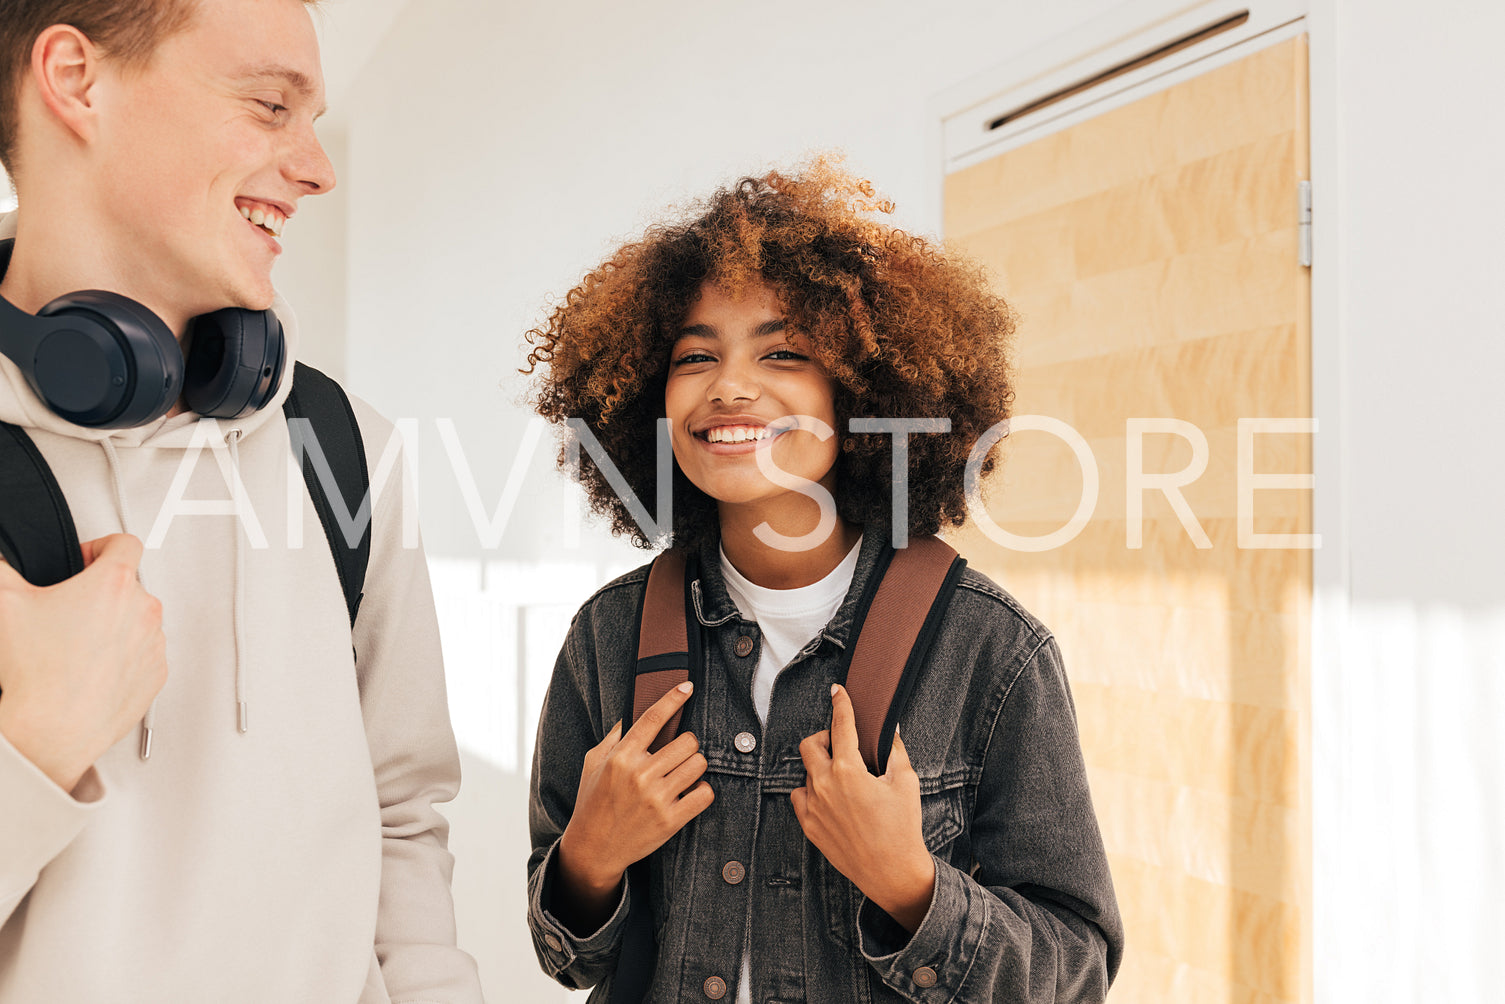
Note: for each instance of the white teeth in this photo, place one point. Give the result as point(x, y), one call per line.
point(737, 434)
point(266, 217)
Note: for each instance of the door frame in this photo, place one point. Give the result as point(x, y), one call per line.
point(956, 116)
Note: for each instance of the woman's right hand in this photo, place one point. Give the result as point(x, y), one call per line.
point(629, 804)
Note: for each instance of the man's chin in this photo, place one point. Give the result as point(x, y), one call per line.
point(246, 292)
point(257, 296)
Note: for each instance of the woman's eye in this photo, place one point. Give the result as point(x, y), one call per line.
point(787, 354)
point(692, 357)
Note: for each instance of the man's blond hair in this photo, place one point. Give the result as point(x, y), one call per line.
point(127, 30)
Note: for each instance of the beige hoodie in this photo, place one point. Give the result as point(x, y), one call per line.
point(302, 860)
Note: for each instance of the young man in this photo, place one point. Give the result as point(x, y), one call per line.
point(269, 832)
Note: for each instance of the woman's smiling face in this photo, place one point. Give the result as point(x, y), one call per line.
point(736, 386)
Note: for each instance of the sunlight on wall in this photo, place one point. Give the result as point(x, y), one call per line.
point(1420, 822)
point(502, 624)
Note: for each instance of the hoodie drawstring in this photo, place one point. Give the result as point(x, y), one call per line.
point(124, 511)
point(242, 712)
point(242, 715)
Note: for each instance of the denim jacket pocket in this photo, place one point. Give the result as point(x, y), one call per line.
point(943, 816)
point(942, 820)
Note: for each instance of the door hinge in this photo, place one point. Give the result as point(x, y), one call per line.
point(1304, 223)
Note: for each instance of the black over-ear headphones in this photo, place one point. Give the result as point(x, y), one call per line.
point(104, 361)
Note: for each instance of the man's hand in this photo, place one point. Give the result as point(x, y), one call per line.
point(869, 828)
point(629, 804)
point(81, 661)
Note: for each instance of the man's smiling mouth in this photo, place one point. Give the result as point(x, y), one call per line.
point(263, 215)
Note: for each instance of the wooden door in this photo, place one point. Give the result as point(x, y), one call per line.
point(1152, 255)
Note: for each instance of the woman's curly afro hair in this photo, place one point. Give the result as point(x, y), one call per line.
point(904, 329)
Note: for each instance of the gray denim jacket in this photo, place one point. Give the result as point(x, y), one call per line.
point(1023, 909)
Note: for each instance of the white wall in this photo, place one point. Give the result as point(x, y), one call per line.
point(311, 274)
point(493, 152)
point(1411, 633)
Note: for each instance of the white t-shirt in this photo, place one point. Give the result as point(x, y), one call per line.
point(788, 619)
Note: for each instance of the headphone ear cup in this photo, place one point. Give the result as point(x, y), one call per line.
point(235, 359)
point(106, 361)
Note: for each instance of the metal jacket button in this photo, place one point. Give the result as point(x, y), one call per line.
point(924, 977)
point(733, 872)
point(715, 988)
point(745, 742)
point(744, 646)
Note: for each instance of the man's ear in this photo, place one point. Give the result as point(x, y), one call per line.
point(65, 70)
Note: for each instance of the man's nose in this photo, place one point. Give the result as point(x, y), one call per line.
point(308, 166)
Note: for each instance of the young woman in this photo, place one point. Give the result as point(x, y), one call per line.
point(780, 868)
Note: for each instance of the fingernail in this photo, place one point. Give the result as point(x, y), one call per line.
point(686, 687)
point(834, 688)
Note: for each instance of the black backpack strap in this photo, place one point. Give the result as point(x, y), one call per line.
point(37, 535)
point(323, 403)
point(896, 623)
point(638, 956)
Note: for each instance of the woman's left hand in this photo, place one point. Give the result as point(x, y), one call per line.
point(869, 828)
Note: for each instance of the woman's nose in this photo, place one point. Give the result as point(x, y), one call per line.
point(733, 382)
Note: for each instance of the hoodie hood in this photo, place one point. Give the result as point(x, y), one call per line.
point(19, 404)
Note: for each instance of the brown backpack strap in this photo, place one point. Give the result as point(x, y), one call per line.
point(894, 628)
point(666, 650)
point(895, 624)
point(663, 641)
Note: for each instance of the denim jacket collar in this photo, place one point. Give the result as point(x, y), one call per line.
point(715, 607)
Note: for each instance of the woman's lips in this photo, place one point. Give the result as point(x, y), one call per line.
point(729, 449)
